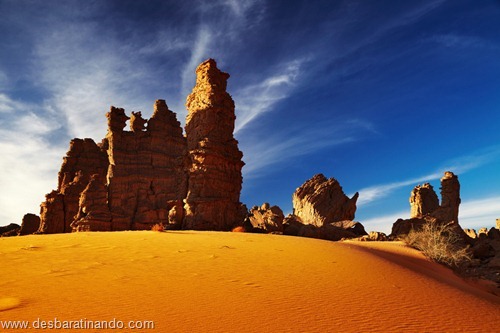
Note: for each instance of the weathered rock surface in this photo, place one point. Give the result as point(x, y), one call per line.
point(153, 174)
point(30, 225)
point(93, 211)
point(146, 168)
point(322, 210)
point(215, 162)
point(266, 218)
point(423, 201)
point(83, 159)
point(322, 201)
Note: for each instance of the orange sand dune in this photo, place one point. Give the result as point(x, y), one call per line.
point(234, 282)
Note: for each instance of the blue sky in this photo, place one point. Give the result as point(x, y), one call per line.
point(381, 95)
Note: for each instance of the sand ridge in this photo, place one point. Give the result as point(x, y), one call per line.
point(235, 282)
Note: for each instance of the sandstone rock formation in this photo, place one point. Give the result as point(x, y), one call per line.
point(320, 201)
point(423, 200)
point(265, 218)
point(153, 174)
point(30, 225)
point(322, 210)
point(425, 207)
point(214, 181)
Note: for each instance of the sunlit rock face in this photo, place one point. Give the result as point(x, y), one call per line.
point(146, 177)
point(152, 173)
point(423, 200)
point(425, 207)
point(320, 200)
point(215, 162)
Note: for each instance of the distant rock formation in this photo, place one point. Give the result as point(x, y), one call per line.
point(214, 179)
point(153, 174)
point(10, 230)
point(425, 208)
point(320, 201)
point(265, 218)
point(322, 210)
point(30, 225)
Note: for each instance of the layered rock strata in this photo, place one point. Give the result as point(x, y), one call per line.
point(153, 174)
point(215, 162)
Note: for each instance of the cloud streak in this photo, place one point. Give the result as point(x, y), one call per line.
point(260, 154)
point(459, 165)
point(254, 100)
point(474, 214)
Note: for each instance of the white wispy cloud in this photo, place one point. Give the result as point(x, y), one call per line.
point(458, 165)
point(253, 100)
point(464, 42)
point(479, 213)
point(199, 53)
point(29, 161)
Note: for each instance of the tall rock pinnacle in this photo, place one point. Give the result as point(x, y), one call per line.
point(214, 181)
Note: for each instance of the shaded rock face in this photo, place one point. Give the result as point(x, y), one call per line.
point(215, 162)
point(320, 201)
point(153, 174)
point(266, 218)
point(83, 159)
point(334, 231)
point(425, 207)
point(30, 225)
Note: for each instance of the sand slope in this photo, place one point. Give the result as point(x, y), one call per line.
point(235, 282)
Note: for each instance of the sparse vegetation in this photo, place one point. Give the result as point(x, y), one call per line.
point(158, 227)
point(439, 243)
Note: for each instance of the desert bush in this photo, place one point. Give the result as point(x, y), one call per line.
point(440, 243)
point(158, 227)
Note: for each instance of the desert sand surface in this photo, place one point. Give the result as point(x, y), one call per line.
point(235, 282)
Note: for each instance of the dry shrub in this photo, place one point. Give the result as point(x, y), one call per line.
point(158, 227)
point(440, 243)
point(239, 229)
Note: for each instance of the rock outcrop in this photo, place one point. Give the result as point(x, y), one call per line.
point(265, 218)
point(10, 230)
point(153, 174)
point(322, 210)
point(215, 162)
point(321, 201)
point(425, 207)
point(30, 225)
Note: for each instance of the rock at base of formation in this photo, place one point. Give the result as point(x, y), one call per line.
point(322, 210)
point(265, 219)
point(153, 174)
point(215, 162)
